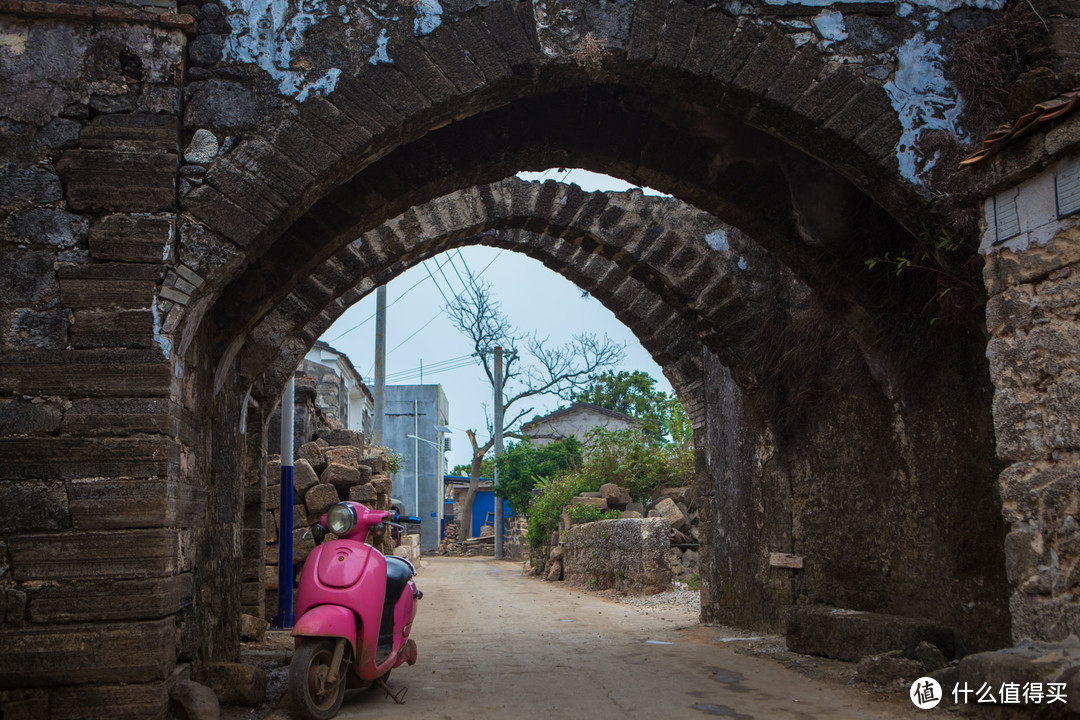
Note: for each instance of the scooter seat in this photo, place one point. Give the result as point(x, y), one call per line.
point(398, 574)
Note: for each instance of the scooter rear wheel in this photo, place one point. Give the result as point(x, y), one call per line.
point(312, 697)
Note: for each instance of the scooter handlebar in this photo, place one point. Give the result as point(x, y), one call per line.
point(409, 519)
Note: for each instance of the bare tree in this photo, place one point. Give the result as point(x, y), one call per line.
point(549, 370)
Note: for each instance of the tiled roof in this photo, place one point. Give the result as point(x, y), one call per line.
point(1039, 116)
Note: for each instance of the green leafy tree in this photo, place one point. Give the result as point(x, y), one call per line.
point(522, 466)
point(631, 393)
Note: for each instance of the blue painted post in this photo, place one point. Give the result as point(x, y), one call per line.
point(284, 617)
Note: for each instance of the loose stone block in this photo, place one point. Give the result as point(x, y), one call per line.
point(252, 628)
point(377, 463)
point(363, 494)
point(671, 512)
point(319, 498)
point(850, 635)
point(349, 456)
point(314, 454)
point(302, 546)
point(196, 701)
point(234, 683)
point(341, 477)
point(304, 476)
point(617, 498)
point(383, 484)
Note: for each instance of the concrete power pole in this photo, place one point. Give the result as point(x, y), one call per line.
point(284, 617)
point(498, 450)
point(380, 365)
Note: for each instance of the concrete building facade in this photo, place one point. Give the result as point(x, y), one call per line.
point(412, 414)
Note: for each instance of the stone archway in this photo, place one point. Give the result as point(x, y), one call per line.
point(125, 356)
point(711, 306)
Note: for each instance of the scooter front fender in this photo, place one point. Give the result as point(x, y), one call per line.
point(327, 621)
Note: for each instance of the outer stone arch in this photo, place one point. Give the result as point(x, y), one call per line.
point(751, 82)
point(608, 243)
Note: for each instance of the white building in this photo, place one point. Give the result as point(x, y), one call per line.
point(577, 420)
point(340, 390)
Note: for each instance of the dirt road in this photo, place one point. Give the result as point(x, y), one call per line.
point(496, 644)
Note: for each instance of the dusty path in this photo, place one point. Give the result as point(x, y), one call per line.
point(495, 644)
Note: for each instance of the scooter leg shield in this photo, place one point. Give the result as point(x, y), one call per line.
point(327, 621)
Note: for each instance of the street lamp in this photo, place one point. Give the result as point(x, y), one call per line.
point(416, 462)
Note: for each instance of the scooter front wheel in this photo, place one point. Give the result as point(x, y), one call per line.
point(313, 696)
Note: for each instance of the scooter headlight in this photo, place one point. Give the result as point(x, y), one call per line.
point(341, 519)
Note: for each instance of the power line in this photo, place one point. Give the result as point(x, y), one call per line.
point(435, 366)
point(415, 372)
point(443, 310)
point(437, 285)
point(370, 317)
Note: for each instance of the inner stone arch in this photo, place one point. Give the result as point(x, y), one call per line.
point(782, 489)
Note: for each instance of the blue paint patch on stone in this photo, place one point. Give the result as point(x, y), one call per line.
point(380, 55)
point(923, 100)
point(267, 33)
point(830, 25)
point(428, 16)
point(717, 240)
point(742, 263)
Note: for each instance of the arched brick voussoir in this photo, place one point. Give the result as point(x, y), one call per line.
point(281, 340)
point(607, 243)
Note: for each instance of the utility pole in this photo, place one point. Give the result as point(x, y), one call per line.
point(498, 450)
point(284, 617)
point(380, 364)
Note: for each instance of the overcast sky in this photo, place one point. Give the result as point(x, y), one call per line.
point(533, 297)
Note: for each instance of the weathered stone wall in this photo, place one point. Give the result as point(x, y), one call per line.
point(105, 487)
point(626, 555)
point(1032, 273)
point(860, 492)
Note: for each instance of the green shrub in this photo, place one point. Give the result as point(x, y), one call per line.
point(630, 459)
point(522, 466)
point(590, 513)
point(545, 511)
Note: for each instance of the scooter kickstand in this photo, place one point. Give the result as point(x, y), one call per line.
point(398, 697)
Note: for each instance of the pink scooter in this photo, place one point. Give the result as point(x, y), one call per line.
point(354, 609)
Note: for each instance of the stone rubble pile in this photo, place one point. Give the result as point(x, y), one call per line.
point(450, 545)
point(333, 467)
point(676, 505)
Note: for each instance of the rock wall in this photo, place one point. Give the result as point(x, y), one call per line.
point(628, 555)
point(861, 496)
point(1032, 273)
